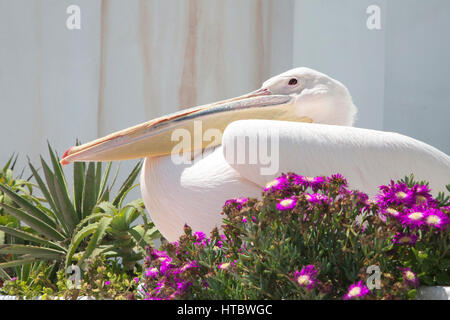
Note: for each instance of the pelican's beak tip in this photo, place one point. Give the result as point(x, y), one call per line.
point(63, 159)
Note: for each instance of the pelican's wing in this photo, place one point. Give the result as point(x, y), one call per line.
point(367, 158)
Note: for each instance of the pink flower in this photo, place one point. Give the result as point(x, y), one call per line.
point(357, 290)
point(307, 277)
point(286, 204)
point(436, 219)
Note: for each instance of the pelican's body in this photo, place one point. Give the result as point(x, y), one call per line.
point(193, 193)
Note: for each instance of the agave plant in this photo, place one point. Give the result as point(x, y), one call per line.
point(74, 224)
point(18, 184)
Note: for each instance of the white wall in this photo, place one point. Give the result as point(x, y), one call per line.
point(135, 60)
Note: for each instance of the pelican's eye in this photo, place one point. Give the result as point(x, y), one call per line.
point(293, 82)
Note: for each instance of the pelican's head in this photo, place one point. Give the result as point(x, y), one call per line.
point(300, 94)
point(315, 96)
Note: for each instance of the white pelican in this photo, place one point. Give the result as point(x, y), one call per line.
point(175, 194)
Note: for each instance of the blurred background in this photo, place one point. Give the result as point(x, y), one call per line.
point(135, 60)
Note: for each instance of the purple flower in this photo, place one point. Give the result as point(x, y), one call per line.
point(190, 265)
point(337, 178)
point(286, 204)
point(239, 202)
point(422, 194)
point(313, 182)
point(151, 272)
point(136, 279)
point(414, 217)
point(389, 211)
point(199, 236)
point(316, 198)
point(436, 219)
point(405, 239)
point(409, 277)
point(396, 194)
point(279, 183)
point(13, 279)
point(307, 277)
point(356, 290)
point(107, 283)
point(244, 219)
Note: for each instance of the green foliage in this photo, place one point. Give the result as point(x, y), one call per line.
point(83, 224)
point(103, 279)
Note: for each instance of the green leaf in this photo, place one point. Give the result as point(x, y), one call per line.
point(89, 193)
point(78, 183)
point(79, 236)
point(33, 251)
point(3, 274)
point(33, 222)
point(96, 238)
point(27, 205)
point(68, 212)
point(42, 186)
point(50, 179)
point(30, 237)
point(127, 185)
point(103, 188)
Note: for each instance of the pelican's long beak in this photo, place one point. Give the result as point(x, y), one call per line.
point(159, 136)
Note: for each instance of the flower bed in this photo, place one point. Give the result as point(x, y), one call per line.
point(311, 238)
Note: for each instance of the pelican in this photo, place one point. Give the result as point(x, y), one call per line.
point(305, 117)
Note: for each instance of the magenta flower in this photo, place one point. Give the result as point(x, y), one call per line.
point(244, 219)
point(396, 194)
point(436, 219)
point(190, 265)
point(313, 182)
point(307, 277)
point(199, 236)
point(422, 195)
point(136, 279)
point(279, 183)
point(405, 239)
point(107, 283)
point(338, 179)
point(286, 204)
point(389, 211)
point(316, 198)
point(414, 217)
point(356, 290)
point(151, 272)
point(409, 277)
point(238, 202)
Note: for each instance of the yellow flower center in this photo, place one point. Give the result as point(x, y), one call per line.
point(309, 179)
point(303, 280)
point(392, 211)
point(410, 275)
point(421, 198)
point(401, 195)
point(416, 215)
point(286, 202)
point(272, 183)
point(224, 266)
point(433, 219)
point(354, 292)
